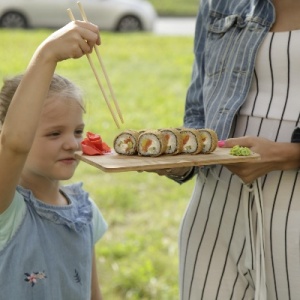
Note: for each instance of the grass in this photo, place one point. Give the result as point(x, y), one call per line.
point(137, 257)
point(176, 7)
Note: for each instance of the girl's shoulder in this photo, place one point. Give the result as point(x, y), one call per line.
point(75, 191)
point(77, 196)
point(75, 215)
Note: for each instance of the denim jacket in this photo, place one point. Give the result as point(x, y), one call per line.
point(228, 35)
point(227, 38)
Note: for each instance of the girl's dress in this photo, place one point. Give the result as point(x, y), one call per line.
point(49, 253)
point(242, 241)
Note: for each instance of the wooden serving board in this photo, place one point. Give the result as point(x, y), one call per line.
point(113, 162)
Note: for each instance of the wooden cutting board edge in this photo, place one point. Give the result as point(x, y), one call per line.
point(114, 163)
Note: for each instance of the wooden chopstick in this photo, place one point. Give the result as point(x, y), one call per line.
point(83, 15)
point(71, 16)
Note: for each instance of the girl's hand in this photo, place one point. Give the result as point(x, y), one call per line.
point(274, 156)
point(71, 41)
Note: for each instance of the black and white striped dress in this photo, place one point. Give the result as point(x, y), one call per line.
point(223, 253)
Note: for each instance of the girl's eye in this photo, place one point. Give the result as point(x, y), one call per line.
point(55, 133)
point(79, 132)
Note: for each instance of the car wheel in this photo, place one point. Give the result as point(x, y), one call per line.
point(129, 23)
point(13, 20)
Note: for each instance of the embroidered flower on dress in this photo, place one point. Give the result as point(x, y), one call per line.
point(33, 277)
point(77, 277)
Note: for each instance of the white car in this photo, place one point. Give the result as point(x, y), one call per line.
point(110, 15)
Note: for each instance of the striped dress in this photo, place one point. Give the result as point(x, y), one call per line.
point(242, 241)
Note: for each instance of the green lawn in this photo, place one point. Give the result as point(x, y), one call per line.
point(137, 258)
point(176, 7)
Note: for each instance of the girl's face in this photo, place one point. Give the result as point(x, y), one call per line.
point(58, 136)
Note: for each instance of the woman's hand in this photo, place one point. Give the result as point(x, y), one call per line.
point(274, 156)
point(171, 172)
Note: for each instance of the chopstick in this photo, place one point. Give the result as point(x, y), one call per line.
point(83, 14)
point(71, 16)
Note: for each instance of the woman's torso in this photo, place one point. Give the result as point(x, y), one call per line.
point(272, 108)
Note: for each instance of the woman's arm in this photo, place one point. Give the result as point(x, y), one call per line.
point(18, 131)
point(274, 156)
point(194, 108)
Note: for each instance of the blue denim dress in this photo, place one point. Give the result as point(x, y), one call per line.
point(50, 255)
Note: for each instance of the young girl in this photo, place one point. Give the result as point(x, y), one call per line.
point(47, 232)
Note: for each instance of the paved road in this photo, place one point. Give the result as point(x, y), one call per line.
point(175, 26)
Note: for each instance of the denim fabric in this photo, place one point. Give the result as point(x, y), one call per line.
point(50, 256)
point(228, 35)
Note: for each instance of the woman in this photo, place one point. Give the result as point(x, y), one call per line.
point(239, 236)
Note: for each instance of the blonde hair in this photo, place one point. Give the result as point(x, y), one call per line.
point(59, 86)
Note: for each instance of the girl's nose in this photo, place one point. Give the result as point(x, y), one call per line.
point(72, 143)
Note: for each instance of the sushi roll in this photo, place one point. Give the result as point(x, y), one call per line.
point(209, 139)
point(151, 143)
point(126, 142)
point(192, 143)
point(174, 140)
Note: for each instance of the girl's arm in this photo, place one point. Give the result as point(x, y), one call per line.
point(18, 131)
point(96, 293)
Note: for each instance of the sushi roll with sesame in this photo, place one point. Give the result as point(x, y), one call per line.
point(126, 142)
point(192, 143)
point(209, 140)
point(151, 143)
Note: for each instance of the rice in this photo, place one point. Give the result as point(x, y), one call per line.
point(174, 140)
point(209, 140)
point(192, 143)
point(126, 142)
point(151, 143)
